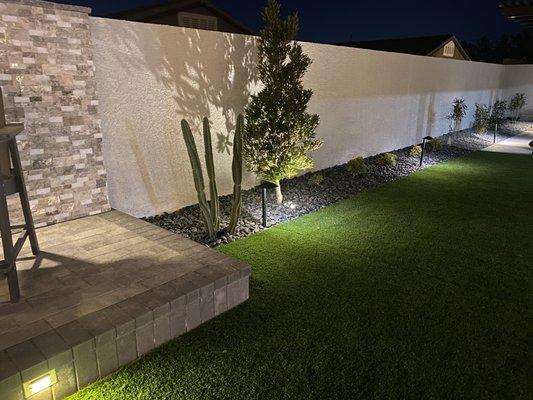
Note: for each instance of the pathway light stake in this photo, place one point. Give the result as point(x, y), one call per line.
point(264, 186)
point(424, 148)
point(495, 132)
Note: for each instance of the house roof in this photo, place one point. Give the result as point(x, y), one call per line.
point(421, 46)
point(519, 11)
point(172, 6)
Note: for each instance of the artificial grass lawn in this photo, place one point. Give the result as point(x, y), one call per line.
point(418, 289)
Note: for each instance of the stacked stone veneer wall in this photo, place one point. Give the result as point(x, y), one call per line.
point(47, 76)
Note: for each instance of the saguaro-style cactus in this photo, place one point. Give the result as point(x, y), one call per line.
point(236, 170)
point(209, 165)
point(198, 177)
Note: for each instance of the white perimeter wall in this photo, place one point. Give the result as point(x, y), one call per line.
point(149, 77)
point(519, 79)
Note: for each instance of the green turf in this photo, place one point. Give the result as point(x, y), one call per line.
point(418, 289)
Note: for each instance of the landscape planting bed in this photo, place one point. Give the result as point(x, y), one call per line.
point(301, 197)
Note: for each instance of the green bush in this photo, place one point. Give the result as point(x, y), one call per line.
point(357, 166)
point(518, 101)
point(434, 145)
point(416, 151)
point(457, 114)
point(481, 118)
point(316, 180)
point(497, 115)
point(385, 159)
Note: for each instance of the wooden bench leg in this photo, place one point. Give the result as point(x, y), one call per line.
point(28, 219)
point(7, 245)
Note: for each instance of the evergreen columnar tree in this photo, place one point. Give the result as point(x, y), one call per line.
point(279, 132)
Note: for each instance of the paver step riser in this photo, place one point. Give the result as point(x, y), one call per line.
point(97, 357)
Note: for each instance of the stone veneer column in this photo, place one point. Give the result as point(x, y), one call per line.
point(47, 76)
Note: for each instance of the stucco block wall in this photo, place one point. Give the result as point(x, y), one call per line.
point(151, 76)
point(47, 76)
point(372, 101)
point(519, 79)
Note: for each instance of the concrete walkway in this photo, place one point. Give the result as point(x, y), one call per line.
point(518, 144)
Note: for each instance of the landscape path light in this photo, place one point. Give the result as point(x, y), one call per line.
point(531, 145)
point(264, 186)
point(495, 132)
point(424, 148)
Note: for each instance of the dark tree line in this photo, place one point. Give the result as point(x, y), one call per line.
point(518, 48)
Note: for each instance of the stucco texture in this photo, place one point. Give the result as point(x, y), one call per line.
point(151, 76)
point(519, 79)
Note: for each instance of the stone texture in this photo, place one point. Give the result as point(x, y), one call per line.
point(47, 76)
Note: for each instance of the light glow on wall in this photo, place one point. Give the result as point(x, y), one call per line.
point(39, 384)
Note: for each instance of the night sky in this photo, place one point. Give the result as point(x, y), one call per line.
point(337, 20)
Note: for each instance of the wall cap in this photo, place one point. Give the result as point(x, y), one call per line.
point(49, 4)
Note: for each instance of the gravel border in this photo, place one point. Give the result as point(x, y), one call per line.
point(301, 197)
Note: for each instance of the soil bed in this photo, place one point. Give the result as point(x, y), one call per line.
point(302, 197)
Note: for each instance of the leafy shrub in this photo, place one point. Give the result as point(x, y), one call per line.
point(385, 159)
point(518, 101)
point(457, 114)
point(357, 166)
point(434, 145)
point(481, 118)
point(497, 115)
point(416, 151)
point(316, 180)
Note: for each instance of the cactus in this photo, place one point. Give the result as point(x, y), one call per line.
point(209, 165)
point(198, 177)
point(236, 170)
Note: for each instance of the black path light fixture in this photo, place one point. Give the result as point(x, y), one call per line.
point(264, 187)
point(424, 139)
point(11, 182)
point(531, 145)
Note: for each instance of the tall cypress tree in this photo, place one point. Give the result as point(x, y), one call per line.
point(279, 133)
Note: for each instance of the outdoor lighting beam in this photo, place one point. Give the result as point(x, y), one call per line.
point(424, 148)
point(40, 383)
point(264, 186)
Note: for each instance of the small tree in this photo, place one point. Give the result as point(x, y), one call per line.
point(518, 101)
point(481, 118)
point(457, 114)
point(497, 115)
point(279, 133)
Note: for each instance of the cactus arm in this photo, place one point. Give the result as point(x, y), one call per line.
point(236, 170)
point(210, 166)
point(198, 177)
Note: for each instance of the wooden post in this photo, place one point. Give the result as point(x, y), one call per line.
point(5, 163)
point(11, 182)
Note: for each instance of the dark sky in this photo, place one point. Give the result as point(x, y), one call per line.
point(336, 20)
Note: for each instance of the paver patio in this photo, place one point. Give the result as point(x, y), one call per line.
point(104, 290)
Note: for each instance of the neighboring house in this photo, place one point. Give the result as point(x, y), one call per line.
point(519, 11)
point(199, 14)
point(444, 46)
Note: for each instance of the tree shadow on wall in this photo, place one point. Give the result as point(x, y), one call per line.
point(205, 71)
